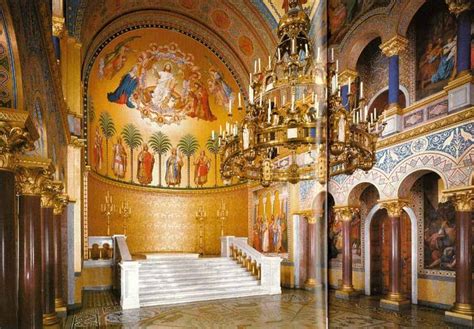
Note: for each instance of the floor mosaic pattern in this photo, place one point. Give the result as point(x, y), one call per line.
point(292, 309)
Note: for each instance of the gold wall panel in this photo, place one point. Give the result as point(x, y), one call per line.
point(439, 292)
point(164, 221)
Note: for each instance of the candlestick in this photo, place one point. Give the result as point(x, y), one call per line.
point(108, 209)
point(361, 90)
point(240, 100)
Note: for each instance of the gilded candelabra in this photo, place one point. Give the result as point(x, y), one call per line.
point(125, 212)
point(201, 216)
point(222, 214)
point(107, 209)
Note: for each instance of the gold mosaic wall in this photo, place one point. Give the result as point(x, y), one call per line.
point(165, 222)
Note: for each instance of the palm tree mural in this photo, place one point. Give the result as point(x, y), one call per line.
point(133, 139)
point(160, 144)
point(212, 146)
point(91, 112)
point(107, 127)
point(188, 145)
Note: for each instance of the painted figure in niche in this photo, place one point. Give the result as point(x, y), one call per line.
point(257, 241)
point(334, 236)
point(271, 236)
point(284, 234)
point(40, 143)
point(200, 103)
point(341, 129)
point(201, 168)
point(98, 150)
point(219, 88)
point(119, 164)
point(173, 168)
point(128, 85)
point(165, 84)
point(447, 61)
point(355, 234)
point(277, 235)
point(265, 236)
point(146, 161)
point(111, 63)
point(286, 4)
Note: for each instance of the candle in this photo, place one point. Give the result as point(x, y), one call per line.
point(293, 102)
point(261, 99)
point(259, 65)
point(318, 56)
point(337, 66)
point(269, 62)
point(255, 67)
point(349, 89)
point(269, 112)
point(332, 55)
point(220, 130)
point(212, 135)
point(230, 107)
point(293, 46)
point(275, 101)
point(279, 54)
point(284, 99)
point(306, 49)
point(361, 90)
point(240, 100)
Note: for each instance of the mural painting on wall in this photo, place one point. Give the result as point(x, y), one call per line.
point(342, 13)
point(335, 239)
point(270, 224)
point(154, 98)
point(436, 49)
point(38, 120)
point(7, 72)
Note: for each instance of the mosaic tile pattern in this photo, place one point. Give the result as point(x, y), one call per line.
point(292, 309)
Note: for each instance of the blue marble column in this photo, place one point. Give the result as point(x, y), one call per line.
point(345, 96)
point(393, 80)
point(464, 42)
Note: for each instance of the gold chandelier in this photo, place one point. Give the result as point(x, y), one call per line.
point(283, 136)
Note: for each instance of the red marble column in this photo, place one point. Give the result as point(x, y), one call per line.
point(59, 206)
point(8, 247)
point(311, 250)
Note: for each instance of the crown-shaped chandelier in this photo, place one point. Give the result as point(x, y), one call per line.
point(283, 136)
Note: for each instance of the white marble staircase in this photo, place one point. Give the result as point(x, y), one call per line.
point(187, 279)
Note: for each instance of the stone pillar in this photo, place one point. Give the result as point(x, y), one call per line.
point(463, 309)
point(30, 177)
point(17, 134)
point(60, 203)
point(461, 8)
point(345, 213)
point(48, 194)
point(392, 49)
point(395, 299)
point(311, 250)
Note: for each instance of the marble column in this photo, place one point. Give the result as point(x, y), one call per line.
point(395, 300)
point(392, 49)
point(463, 309)
point(48, 195)
point(461, 8)
point(311, 250)
point(60, 204)
point(30, 177)
point(17, 135)
point(344, 214)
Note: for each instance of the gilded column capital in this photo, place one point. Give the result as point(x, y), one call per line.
point(462, 198)
point(17, 135)
point(394, 207)
point(50, 190)
point(458, 6)
point(58, 26)
point(345, 213)
point(32, 173)
point(347, 74)
point(60, 203)
point(394, 46)
point(77, 142)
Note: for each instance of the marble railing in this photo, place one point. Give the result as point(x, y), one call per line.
point(126, 273)
point(265, 268)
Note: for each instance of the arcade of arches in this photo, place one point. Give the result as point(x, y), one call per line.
point(113, 211)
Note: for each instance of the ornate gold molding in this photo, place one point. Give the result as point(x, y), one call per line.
point(345, 213)
point(462, 198)
point(394, 46)
point(32, 174)
point(58, 26)
point(458, 6)
point(49, 193)
point(394, 207)
point(60, 203)
point(77, 142)
point(17, 135)
point(345, 75)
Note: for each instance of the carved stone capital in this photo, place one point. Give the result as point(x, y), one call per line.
point(345, 213)
point(347, 74)
point(32, 174)
point(58, 26)
point(50, 190)
point(461, 198)
point(77, 142)
point(458, 6)
point(394, 207)
point(60, 203)
point(17, 135)
point(394, 46)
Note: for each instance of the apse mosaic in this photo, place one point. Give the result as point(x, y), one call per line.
point(155, 96)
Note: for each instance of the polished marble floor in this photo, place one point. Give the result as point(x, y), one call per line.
point(292, 309)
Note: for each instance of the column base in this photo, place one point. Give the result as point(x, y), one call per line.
point(60, 308)
point(50, 319)
point(311, 284)
point(461, 314)
point(347, 293)
point(395, 302)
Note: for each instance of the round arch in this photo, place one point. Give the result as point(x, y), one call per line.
point(407, 181)
point(356, 191)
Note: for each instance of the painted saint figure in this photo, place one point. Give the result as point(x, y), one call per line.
point(98, 157)
point(447, 61)
point(201, 168)
point(146, 161)
point(219, 87)
point(173, 168)
point(341, 129)
point(164, 87)
point(200, 103)
point(119, 163)
point(128, 84)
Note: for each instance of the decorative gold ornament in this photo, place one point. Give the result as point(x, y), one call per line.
point(32, 174)
point(58, 26)
point(345, 213)
point(77, 142)
point(17, 135)
point(222, 214)
point(458, 6)
point(125, 212)
point(201, 216)
point(60, 203)
point(462, 198)
point(107, 209)
point(394, 46)
point(394, 207)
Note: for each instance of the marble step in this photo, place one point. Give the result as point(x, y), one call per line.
point(178, 271)
point(206, 286)
point(193, 277)
point(200, 296)
point(187, 260)
point(187, 282)
point(186, 264)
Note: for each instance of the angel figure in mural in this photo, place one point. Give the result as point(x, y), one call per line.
point(98, 153)
point(165, 85)
point(447, 61)
point(119, 164)
point(111, 63)
point(146, 161)
point(173, 168)
point(201, 168)
point(286, 4)
point(219, 87)
point(200, 103)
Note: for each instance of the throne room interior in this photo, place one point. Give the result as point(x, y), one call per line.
point(236, 163)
